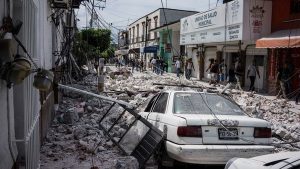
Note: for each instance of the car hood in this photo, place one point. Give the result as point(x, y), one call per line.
point(276, 157)
point(227, 120)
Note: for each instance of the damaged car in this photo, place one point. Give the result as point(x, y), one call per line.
point(205, 128)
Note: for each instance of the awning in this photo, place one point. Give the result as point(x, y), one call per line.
point(281, 39)
point(122, 52)
point(151, 49)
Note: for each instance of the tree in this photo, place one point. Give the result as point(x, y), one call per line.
point(91, 43)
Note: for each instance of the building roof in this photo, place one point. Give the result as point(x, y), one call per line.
point(160, 9)
point(166, 25)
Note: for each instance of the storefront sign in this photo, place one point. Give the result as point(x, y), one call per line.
point(228, 22)
point(151, 49)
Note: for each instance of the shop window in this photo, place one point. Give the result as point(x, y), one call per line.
point(295, 6)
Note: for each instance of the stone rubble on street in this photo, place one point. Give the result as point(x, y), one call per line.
point(75, 140)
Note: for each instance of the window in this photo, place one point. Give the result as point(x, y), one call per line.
point(156, 21)
point(137, 32)
point(150, 104)
point(143, 31)
point(133, 34)
point(161, 104)
point(295, 6)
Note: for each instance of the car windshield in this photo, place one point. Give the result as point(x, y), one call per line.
point(199, 103)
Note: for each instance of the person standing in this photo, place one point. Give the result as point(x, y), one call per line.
point(189, 67)
point(214, 72)
point(132, 64)
point(161, 66)
point(153, 62)
point(142, 65)
point(251, 73)
point(282, 76)
point(222, 71)
point(238, 72)
point(177, 65)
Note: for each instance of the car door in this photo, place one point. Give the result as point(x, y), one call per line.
point(158, 111)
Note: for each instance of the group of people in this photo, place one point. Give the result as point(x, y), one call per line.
point(158, 66)
point(137, 64)
point(218, 73)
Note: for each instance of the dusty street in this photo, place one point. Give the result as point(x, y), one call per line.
point(76, 142)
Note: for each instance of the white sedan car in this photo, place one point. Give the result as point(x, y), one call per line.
point(286, 160)
point(206, 128)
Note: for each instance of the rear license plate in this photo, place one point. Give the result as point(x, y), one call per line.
point(230, 134)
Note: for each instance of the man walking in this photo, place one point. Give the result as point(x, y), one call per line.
point(177, 65)
point(252, 71)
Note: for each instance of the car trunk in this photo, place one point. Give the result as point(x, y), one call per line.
point(239, 129)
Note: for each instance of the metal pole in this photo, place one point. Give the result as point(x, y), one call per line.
point(208, 4)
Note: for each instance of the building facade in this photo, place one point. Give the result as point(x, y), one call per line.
point(228, 32)
point(144, 42)
point(283, 44)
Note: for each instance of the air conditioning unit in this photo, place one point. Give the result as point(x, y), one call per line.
point(60, 4)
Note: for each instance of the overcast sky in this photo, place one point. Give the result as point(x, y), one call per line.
point(122, 12)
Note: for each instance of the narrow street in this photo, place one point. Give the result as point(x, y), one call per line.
point(75, 140)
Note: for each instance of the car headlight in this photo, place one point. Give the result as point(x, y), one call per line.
point(228, 164)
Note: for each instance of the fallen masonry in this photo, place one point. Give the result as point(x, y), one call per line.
point(71, 142)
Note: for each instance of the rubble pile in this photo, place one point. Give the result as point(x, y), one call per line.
point(285, 121)
point(75, 140)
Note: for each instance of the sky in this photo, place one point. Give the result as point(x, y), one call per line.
point(121, 13)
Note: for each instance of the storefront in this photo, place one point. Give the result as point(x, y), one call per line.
point(227, 32)
point(284, 47)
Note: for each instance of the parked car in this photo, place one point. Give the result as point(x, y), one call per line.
point(206, 128)
point(286, 160)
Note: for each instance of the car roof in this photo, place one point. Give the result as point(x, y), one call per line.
point(277, 156)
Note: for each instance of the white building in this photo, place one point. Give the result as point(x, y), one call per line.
point(142, 42)
point(25, 112)
point(227, 32)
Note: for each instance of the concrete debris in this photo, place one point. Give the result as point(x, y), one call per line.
point(75, 135)
point(126, 163)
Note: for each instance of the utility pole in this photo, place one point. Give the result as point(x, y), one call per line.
point(98, 5)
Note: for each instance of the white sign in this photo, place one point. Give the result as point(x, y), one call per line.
point(224, 23)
